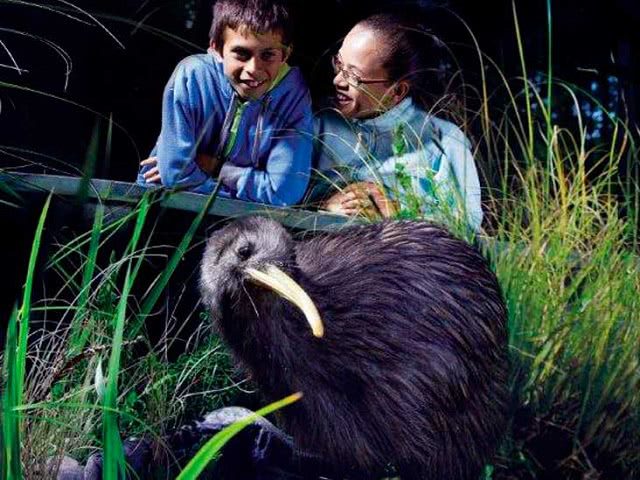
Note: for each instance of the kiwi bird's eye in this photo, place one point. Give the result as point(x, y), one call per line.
point(244, 252)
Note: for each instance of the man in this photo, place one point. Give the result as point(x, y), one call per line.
point(382, 150)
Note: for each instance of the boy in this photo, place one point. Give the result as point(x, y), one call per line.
point(238, 113)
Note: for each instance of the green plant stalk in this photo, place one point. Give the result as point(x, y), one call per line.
point(141, 217)
point(10, 463)
point(525, 82)
point(114, 462)
point(109, 142)
point(91, 158)
point(173, 263)
point(549, 109)
point(16, 360)
point(80, 335)
point(25, 311)
point(210, 450)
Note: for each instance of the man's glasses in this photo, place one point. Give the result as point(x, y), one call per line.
point(350, 77)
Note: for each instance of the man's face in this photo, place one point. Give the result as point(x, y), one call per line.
point(251, 61)
point(360, 55)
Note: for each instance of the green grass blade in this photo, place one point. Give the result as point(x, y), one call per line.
point(210, 450)
point(25, 310)
point(143, 211)
point(6, 190)
point(525, 79)
point(80, 335)
point(114, 462)
point(10, 439)
point(549, 108)
point(15, 364)
point(174, 261)
point(91, 159)
point(108, 146)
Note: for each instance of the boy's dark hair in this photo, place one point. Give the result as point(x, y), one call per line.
point(258, 16)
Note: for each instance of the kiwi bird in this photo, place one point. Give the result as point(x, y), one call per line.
point(394, 332)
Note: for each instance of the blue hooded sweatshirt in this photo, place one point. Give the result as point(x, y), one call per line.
point(266, 143)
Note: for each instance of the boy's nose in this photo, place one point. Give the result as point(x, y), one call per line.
point(339, 81)
point(253, 65)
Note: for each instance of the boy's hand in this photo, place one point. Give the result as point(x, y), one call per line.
point(365, 198)
point(209, 164)
point(153, 174)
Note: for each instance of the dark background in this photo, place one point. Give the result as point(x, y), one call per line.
point(595, 45)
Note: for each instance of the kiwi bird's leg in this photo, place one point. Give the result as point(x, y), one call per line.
point(272, 277)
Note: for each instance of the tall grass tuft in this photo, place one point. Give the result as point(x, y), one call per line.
point(101, 287)
point(564, 247)
point(572, 283)
point(15, 362)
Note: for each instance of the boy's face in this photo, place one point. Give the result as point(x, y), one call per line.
point(251, 61)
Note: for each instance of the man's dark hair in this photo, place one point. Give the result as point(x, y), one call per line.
point(410, 50)
point(257, 16)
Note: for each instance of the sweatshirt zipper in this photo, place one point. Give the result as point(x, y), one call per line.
point(258, 135)
point(226, 127)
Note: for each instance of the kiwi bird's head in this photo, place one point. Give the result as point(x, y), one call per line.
point(248, 253)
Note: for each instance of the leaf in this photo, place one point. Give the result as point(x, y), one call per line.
point(211, 449)
point(99, 382)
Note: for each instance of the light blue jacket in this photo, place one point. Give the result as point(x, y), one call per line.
point(269, 157)
point(415, 155)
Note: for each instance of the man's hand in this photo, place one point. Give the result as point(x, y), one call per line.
point(364, 198)
point(153, 174)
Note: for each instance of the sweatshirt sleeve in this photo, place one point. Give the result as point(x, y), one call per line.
point(178, 141)
point(458, 153)
point(285, 176)
point(442, 172)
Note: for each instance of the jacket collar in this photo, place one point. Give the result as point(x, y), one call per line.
point(389, 119)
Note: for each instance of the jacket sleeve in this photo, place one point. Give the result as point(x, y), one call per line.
point(442, 171)
point(458, 153)
point(179, 137)
point(285, 176)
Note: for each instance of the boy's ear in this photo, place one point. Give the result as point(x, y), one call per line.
point(286, 52)
point(213, 49)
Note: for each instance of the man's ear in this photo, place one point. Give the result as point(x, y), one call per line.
point(213, 49)
point(400, 91)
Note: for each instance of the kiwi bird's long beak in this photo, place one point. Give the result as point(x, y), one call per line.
point(281, 283)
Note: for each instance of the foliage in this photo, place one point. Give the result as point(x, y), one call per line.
point(564, 245)
point(98, 317)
